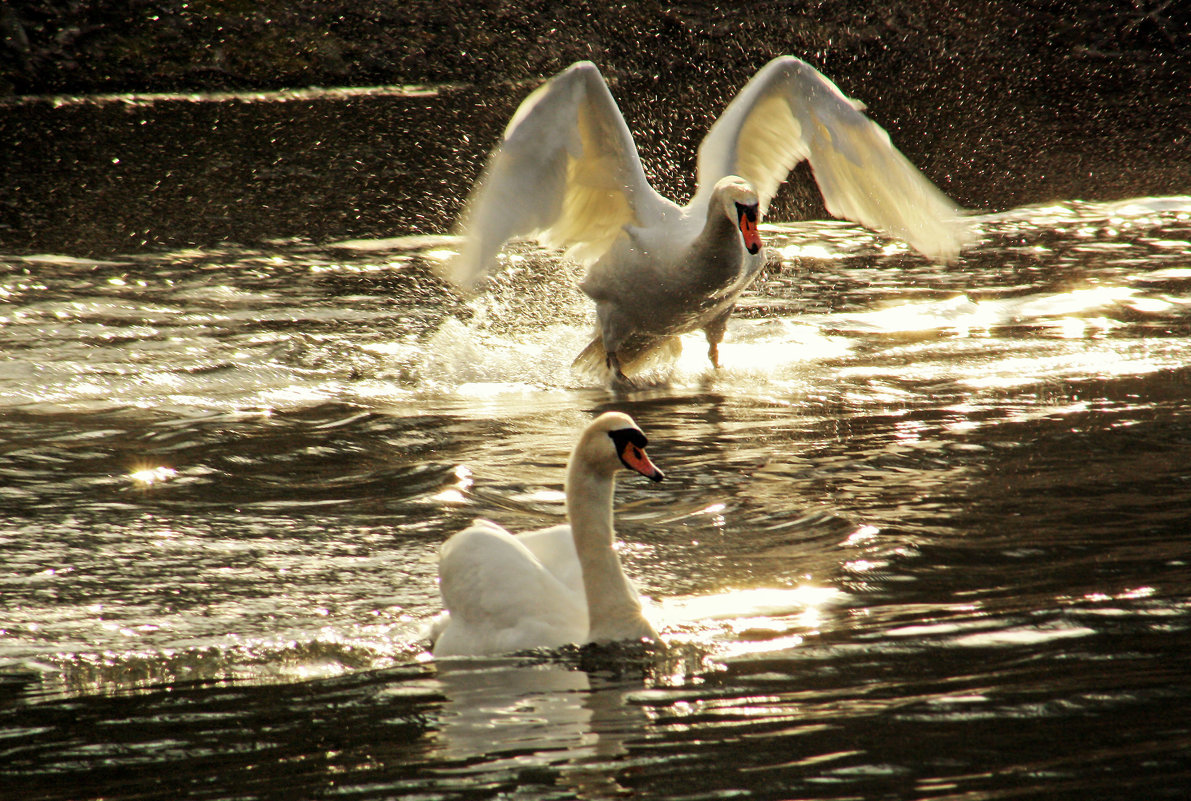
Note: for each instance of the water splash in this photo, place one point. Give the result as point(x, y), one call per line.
point(365, 321)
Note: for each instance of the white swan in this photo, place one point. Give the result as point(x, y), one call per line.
point(547, 588)
point(567, 173)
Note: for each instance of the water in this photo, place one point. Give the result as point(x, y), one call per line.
point(923, 536)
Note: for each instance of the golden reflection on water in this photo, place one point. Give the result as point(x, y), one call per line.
point(147, 476)
point(748, 621)
point(963, 317)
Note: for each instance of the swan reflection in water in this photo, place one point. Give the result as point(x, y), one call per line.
point(552, 711)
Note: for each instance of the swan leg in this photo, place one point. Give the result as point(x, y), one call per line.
point(715, 334)
point(614, 331)
point(619, 379)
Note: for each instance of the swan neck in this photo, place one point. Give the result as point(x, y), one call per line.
point(720, 238)
point(589, 507)
point(613, 609)
point(718, 217)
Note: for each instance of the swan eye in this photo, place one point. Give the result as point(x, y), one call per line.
point(628, 436)
point(746, 219)
point(746, 212)
point(630, 449)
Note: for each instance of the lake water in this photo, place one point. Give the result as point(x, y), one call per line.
point(924, 535)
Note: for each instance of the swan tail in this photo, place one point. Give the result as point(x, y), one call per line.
point(592, 360)
point(434, 629)
point(638, 355)
point(657, 354)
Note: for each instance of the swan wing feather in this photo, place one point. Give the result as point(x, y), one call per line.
point(554, 548)
point(500, 598)
point(789, 112)
point(566, 173)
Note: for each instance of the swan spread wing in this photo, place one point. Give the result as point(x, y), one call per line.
point(566, 173)
point(501, 597)
point(789, 112)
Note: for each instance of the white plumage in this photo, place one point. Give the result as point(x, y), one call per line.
point(567, 174)
point(544, 589)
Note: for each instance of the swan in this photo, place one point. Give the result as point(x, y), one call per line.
point(559, 585)
point(567, 174)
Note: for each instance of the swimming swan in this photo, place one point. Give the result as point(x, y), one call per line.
point(567, 174)
point(547, 588)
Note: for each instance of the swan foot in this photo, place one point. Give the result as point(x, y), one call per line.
point(715, 334)
point(619, 379)
point(713, 353)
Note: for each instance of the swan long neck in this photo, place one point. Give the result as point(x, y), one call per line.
point(718, 248)
point(719, 228)
point(613, 609)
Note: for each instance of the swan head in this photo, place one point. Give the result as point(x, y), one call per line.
point(743, 207)
point(613, 441)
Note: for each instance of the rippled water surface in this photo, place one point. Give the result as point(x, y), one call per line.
point(925, 535)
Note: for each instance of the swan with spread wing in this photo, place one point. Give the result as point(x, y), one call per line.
point(567, 174)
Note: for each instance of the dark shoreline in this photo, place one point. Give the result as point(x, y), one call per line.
point(1001, 104)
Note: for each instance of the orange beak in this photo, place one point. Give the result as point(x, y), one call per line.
point(748, 230)
point(634, 458)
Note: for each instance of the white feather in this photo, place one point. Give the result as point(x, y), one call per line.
point(547, 588)
point(567, 174)
point(789, 112)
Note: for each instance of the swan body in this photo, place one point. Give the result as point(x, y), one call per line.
point(559, 585)
point(567, 174)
